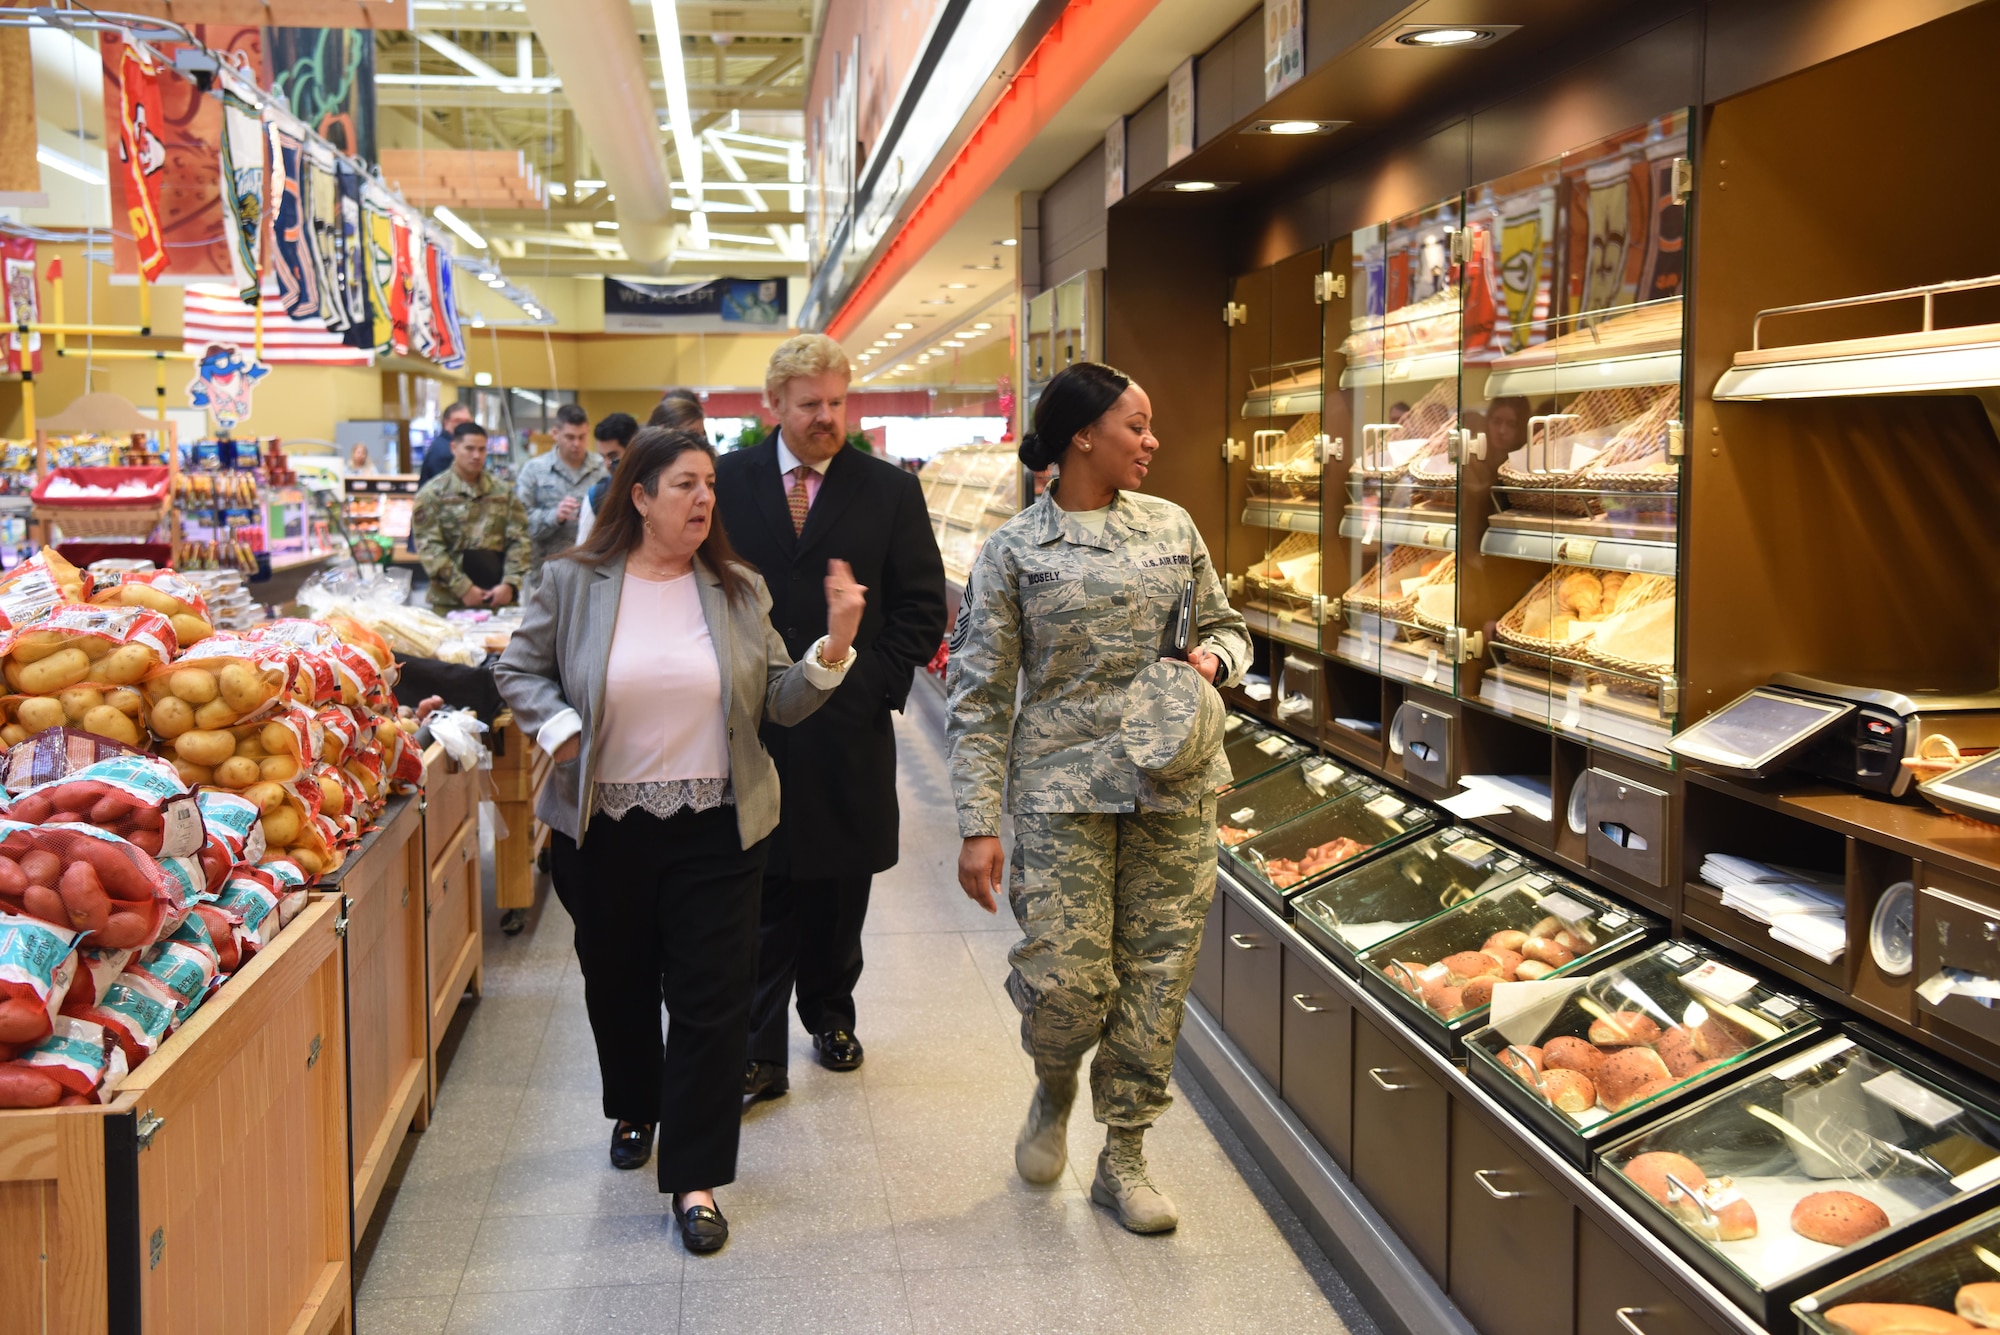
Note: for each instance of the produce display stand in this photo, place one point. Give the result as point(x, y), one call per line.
point(520, 768)
point(210, 1194)
point(383, 959)
point(106, 414)
point(450, 807)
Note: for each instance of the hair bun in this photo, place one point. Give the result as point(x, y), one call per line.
point(1031, 452)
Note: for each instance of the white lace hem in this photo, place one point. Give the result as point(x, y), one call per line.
point(617, 800)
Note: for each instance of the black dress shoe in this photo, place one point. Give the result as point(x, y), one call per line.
point(513, 920)
point(703, 1229)
point(838, 1050)
point(764, 1080)
point(631, 1144)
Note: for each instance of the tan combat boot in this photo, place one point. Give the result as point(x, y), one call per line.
point(1122, 1185)
point(1041, 1150)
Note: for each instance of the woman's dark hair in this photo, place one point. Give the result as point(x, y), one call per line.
point(678, 410)
point(618, 528)
point(1078, 395)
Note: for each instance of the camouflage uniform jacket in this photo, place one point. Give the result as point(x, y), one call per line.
point(454, 517)
point(545, 480)
point(1069, 617)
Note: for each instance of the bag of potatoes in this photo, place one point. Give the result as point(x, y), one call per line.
point(116, 713)
point(368, 641)
point(165, 592)
point(294, 834)
point(78, 644)
point(219, 683)
point(34, 588)
point(276, 750)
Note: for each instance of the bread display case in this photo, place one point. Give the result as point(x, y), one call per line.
point(1950, 1283)
point(1387, 897)
point(1293, 857)
point(1253, 749)
point(970, 490)
point(1284, 794)
point(1812, 1168)
point(1573, 379)
point(1586, 1063)
point(1443, 973)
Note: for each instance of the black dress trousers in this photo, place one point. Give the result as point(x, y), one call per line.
point(666, 911)
point(811, 939)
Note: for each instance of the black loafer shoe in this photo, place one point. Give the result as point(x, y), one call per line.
point(631, 1144)
point(513, 920)
point(764, 1080)
point(838, 1050)
point(703, 1229)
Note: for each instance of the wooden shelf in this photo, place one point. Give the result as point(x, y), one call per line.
point(1915, 831)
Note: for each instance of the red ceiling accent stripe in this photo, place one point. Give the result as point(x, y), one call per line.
point(1081, 39)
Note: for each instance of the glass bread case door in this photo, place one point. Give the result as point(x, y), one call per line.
point(1281, 795)
point(1253, 749)
point(1301, 852)
point(1585, 1064)
point(1956, 1274)
point(1371, 903)
point(1443, 973)
point(1573, 340)
point(1808, 1170)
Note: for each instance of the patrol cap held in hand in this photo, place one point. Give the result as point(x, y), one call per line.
point(1173, 722)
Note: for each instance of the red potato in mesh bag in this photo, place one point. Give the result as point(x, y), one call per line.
point(165, 592)
point(80, 1056)
point(77, 644)
point(251, 900)
point(96, 970)
point(145, 900)
point(37, 965)
point(181, 971)
point(136, 796)
point(135, 1011)
point(220, 682)
point(289, 881)
point(196, 933)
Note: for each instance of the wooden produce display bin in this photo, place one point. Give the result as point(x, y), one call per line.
point(379, 893)
point(211, 1193)
point(451, 891)
point(520, 768)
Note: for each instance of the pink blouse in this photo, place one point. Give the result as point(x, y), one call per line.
point(662, 689)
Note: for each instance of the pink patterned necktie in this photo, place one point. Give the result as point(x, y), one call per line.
point(800, 501)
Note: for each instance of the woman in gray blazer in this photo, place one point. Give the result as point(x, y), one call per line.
point(645, 665)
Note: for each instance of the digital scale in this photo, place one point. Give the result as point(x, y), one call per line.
point(1854, 735)
point(1970, 790)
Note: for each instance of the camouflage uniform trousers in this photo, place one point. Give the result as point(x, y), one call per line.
point(1112, 907)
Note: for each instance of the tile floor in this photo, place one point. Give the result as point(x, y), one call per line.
point(883, 1200)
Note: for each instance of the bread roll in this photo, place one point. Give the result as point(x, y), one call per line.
point(1545, 951)
point(1508, 960)
point(1623, 1028)
point(1479, 992)
point(1837, 1218)
point(1571, 942)
point(1980, 1304)
point(1728, 1216)
point(1676, 1049)
point(1530, 971)
point(1403, 976)
point(1444, 999)
point(1892, 1319)
point(1568, 1053)
point(1571, 1091)
point(1716, 1038)
point(1649, 1173)
point(1469, 964)
point(1547, 927)
point(1525, 1061)
point(1629, 1075)
point(1508, 940)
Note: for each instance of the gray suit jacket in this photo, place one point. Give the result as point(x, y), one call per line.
point(557, 661)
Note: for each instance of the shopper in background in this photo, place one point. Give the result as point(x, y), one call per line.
point(1114, 867)
point(613, 434)
point(679, 409)
point(646, 666)
point(552, 488)
point(437, 455)
point(791, 504)
point(470, 531)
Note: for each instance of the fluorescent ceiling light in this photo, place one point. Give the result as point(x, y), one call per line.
point(1006, 241)
point(457, 224)
point(673, 70)
point(951, 343)
point(982, 326)
point(965, 333)
point(68, 165)
point(558, 189)
point(1441, 37)
point(590, 185)
point(605, 226)
point(892, 336)
point(1193, 187)
point(957, 286)
point(904, 324)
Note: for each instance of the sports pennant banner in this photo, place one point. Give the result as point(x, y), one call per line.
point(142, 156)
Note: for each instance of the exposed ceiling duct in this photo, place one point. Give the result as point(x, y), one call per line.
point(593, 45)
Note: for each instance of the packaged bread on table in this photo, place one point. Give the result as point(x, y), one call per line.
point(78, 644)
point(219, 683)
point(166, 592)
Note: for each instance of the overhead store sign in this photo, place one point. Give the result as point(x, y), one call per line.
point(1114, 162)
point(1284, 45)
point(718, 306)
point(1180, 111)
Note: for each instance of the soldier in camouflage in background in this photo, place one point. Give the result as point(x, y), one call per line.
point(470, 530)
point(1114, 859)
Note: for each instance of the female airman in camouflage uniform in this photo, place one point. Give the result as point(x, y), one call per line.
point(1113, 869)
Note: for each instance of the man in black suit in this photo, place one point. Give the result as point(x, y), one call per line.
point(789, 504)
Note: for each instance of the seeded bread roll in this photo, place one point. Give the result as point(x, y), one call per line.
point(1507, 940)
point(1568, 1053)
point(1837, 1218)
point(1676, 1049)
point(1623, 1028)
point(1445, 1000)
point(1508, 960)
point(1980, 1304)
point(1893, 1319)
point(1571, 1091)
point(1479, 992)
point(1469, 964)
point(1544, 951)
point(1714, 1038)
point(1649, 1173)
point(1524, 1060)
point(1629, 1075)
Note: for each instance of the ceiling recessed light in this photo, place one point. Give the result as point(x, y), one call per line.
point(1291, 128)
point(604, 226)
point(937, 301)
point(982, 325)
point(1441, 36)
point(952, 343)
point(1006, 241)
point(904, 324)
point(965, 333)
point(1193, 187)
point(892, 336)
point(958, 286)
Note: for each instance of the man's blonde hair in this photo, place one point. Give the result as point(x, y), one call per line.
point(807, 354)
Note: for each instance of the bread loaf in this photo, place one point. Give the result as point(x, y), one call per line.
point(1623, 1028)
point(1837, 1218)
point(1629, 1075)
point(1980, 1304)
point(1893, 1319)
point(1649, 1172)
point(1568, 1053)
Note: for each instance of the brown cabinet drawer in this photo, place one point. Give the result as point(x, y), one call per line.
point(1625, 825)
point(1402, 1142)
point(1424, 736)
point(1207, 984)
point(1958, 928)
point(1513, 1236)
point(1618, 1294)
point(1318, 1067)
point(1252, 977)
point(449, 801)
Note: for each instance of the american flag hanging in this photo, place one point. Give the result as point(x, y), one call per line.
point(215, 313)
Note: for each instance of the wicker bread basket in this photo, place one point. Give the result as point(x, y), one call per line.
point(1613, 653)
point(1635, 591)
point(1435, 625)
point(1286, 468)
point(1639, 417)
point(1430, 415)
point(1265, 574)
point(1381, 590)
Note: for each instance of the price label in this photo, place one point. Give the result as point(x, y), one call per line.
point(1431, 668)
point(1562, 906)
point(1323, 776)
point(1776, 1007)
point(1388, 805)
point(1677, 954)
point(1611, 922)
point(1437, 536)
point(1536, 882)
point(1572, 715)
point(1274, 744)
point(1233, 723)
point(1472, 852)
point(1368, 531)
point(1812, 1057)
point(1576, 549)
point(1911, 1099)
point(1242, 815)
point(1719, 983)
